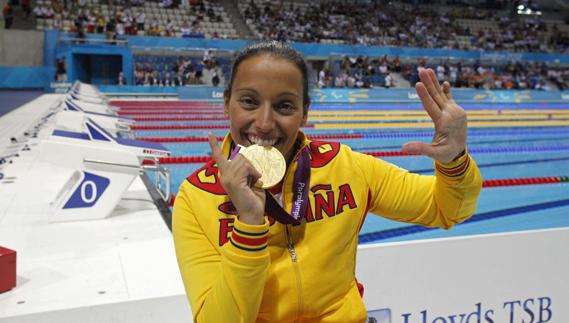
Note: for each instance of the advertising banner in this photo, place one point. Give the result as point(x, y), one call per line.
point(400, 95)
point(520, 277)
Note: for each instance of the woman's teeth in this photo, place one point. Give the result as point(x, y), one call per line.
point(263, 142)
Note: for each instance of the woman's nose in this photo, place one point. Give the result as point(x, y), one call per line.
point(264, 120)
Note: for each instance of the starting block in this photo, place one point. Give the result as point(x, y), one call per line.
point(102, 165)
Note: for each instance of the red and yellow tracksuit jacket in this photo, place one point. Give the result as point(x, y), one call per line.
point(235, 272)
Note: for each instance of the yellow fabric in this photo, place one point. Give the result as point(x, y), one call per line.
point(227, 284)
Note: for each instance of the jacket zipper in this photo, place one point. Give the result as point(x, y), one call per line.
point(294, 259)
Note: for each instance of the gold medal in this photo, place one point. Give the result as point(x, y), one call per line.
point(268, 161)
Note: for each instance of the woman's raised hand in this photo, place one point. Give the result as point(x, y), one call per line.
point(238, 178)
point(449, 118)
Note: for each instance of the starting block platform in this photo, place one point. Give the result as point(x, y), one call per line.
point(116, 263)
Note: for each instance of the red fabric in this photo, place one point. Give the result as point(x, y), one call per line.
point(360, 288)
point(7, 269)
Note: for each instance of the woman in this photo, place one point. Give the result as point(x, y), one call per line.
point(240, 265)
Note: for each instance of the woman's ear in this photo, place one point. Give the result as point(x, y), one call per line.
point(226, 99)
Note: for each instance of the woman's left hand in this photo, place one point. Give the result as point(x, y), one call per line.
point(449, 119)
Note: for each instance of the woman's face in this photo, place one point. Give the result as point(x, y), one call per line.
point(266, 103)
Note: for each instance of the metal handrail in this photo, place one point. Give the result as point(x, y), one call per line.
point(161, 173)
point(109, 163)
point(95, 40)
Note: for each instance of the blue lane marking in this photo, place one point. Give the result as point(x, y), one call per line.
point(520, 162)
point(489, 150)
point(397, 232)
point(366, 134)
point(472, 132)
point(470, 143)
point(419, 107)
point(517, 149)
point(427, 122)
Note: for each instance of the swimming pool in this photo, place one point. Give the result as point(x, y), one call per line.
point(508, 141)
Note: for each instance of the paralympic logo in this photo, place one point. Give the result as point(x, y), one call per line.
point(299, 200)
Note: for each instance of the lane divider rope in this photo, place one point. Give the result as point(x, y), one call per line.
point(197, 126)
point(491, 183)
point(203, 159)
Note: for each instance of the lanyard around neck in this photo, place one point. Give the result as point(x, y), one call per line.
point(300, 192)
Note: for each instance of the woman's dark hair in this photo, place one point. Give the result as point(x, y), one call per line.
point(277, 49)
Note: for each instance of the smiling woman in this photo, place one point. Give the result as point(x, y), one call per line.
point(287, 253)
point(265, 103)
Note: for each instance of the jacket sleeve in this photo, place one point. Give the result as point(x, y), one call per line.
point(443, 200)
point(225, 284)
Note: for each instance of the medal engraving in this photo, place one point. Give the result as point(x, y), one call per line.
point(268, 161)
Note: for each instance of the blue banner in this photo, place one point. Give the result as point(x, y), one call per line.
point(325, 50)
point(201, 93)
point(460, 95)
point(407, 95)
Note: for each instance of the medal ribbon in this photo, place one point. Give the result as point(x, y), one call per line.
point(300, 192)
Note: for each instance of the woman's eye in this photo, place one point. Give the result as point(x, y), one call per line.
point(286, 107)
point(247, 102)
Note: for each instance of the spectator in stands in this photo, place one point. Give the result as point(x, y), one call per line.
point(138, 75)
point(339, 81)
point(166, 3)
point(140, 19)
point(264, 256)
point(199, 71)
point(129, 26)
point(168, 79)
point(185, 29)
point(121, 80)
point(61, 70)
point(184, 4)
point(215, 78)
point(208, 59)
point(190, 74)
point(91, 23)
point(179, 81)
point(47, 12)
point(322, 78)
point(397, 64)
point(81, 37)
point(8, 13)
point(100, 24)
point(38, 12)
point(197, 29)
point(389, 81)
point(170, 29)
point(26, 7)
point(441, 72)
point(154, 28)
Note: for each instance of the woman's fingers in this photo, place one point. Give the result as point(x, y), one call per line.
point(216, 153)
point(431, 83)
point(428, 103)
point(240, 167)
point(446, 90)
point(418, 148)
point(253, 175)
